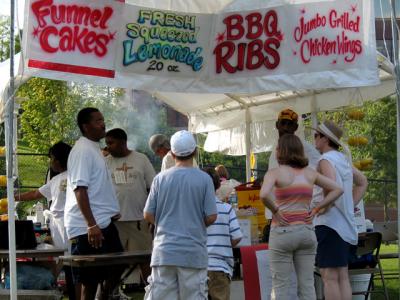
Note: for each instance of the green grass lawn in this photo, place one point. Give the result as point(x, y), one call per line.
point(32, 170)
point(389, 266)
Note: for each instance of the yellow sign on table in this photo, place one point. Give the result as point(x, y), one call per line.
point(249, 197)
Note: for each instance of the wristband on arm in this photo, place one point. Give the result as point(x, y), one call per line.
point(91, 227)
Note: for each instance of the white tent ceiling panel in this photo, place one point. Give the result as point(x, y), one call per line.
point(207, 123)
point(220, 111)
point(197, 6)
point(223, 116)
point(189, 103)
point(232, 141)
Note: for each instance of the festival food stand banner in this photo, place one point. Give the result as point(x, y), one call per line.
point(290, 39)
point(72, 36)
point(163, 43)
point(283, 47)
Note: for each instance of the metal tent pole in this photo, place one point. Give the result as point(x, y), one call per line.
point(9, 138)
point(248, 145)
point(395, 40)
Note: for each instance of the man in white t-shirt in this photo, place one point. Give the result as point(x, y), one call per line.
point(132, 175)
point(91, 206)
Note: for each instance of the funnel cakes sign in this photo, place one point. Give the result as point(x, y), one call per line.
point(330, 43)
point(73, 36)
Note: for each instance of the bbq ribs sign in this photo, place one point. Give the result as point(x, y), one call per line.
point(305, 45)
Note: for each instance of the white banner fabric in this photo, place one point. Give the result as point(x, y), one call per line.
point(306, 45)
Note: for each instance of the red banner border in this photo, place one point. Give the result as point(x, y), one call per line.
point(32, 63)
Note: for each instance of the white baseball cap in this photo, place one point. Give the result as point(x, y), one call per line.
point(182, 143)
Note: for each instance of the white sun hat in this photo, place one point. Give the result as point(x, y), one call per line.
point(334, 133)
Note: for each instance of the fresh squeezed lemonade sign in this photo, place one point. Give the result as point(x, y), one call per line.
point(163, 42)
point(73, 32)
point(342, 46)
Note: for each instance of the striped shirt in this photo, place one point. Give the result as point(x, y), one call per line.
point(219, 236)
point(294, 200)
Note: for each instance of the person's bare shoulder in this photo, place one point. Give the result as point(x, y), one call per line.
point(310, 174)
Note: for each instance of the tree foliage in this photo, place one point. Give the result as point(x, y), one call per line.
point(50, 108)
point(379, 126)
point(48, 113)
point(5, 39)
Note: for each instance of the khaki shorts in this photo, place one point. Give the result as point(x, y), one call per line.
point(134, 235)
point(218, 285)
point(171, 282)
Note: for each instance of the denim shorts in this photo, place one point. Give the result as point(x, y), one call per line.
point(80, 246)
point(332, 250)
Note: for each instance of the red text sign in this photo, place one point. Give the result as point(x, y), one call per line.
point(249, 42)
point(71, 28)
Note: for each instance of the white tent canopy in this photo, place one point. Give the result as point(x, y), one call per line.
point(246, 121)
point(224, 116)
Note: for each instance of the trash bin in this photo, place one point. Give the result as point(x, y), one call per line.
point(359, 283)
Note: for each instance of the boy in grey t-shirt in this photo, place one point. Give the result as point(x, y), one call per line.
point(181, 204)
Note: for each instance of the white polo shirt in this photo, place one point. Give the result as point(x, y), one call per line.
point(87, 167)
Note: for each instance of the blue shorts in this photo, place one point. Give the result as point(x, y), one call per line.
point(81, 246)
point(332, 250)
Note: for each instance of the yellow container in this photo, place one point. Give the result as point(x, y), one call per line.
point(249, 197)
point(3, 180)
point(3, 205)
point(355, 114)
point(2, 151)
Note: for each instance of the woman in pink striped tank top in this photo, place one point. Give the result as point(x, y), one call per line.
point(287, 192)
